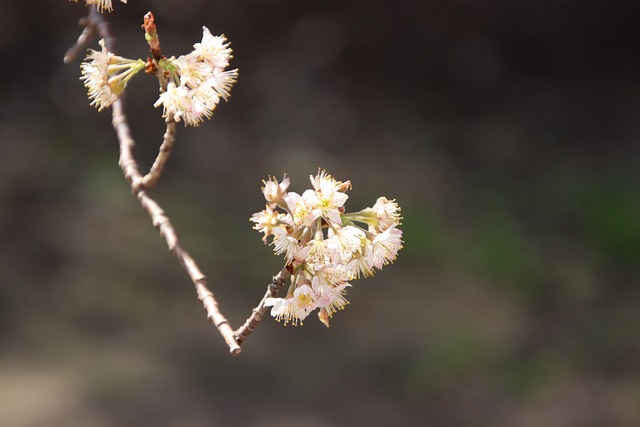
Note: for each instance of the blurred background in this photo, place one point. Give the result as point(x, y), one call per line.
point(507, 131)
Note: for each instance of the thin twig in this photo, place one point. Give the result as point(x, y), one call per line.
point(258, 313)
point(151, 178)
point(88, 33)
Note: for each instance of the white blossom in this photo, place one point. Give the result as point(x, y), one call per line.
point(284, 243)
point(221, 81)
point(106, 75)
point(294, 309)
point(213, 50)
point(316, 252)
point(176, 101)
point(328, 196)
point(199, 80)
point(192, 72)
point(360, 266)
point(281, 308)
point(305, 211)
point(345, 243)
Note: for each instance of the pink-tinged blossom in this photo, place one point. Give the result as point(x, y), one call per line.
point(324, 246)
point(274, 192)
point(330, 299)
point(304, 299)
point(388, 213)
point(267, 220)
point(291, 200)
point(385, 247)
point(305, 212)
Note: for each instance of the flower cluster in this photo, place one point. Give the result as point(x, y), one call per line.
point(324, 247)
point(102, 5)
point(197, 80)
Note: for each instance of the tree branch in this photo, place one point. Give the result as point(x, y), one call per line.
point(162, 223)
point(88, 33)
point(95, 24)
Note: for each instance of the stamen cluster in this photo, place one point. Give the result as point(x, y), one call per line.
point(324, 247)
point(106, 75)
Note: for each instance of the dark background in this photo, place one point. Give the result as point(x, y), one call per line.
point(507, 131)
